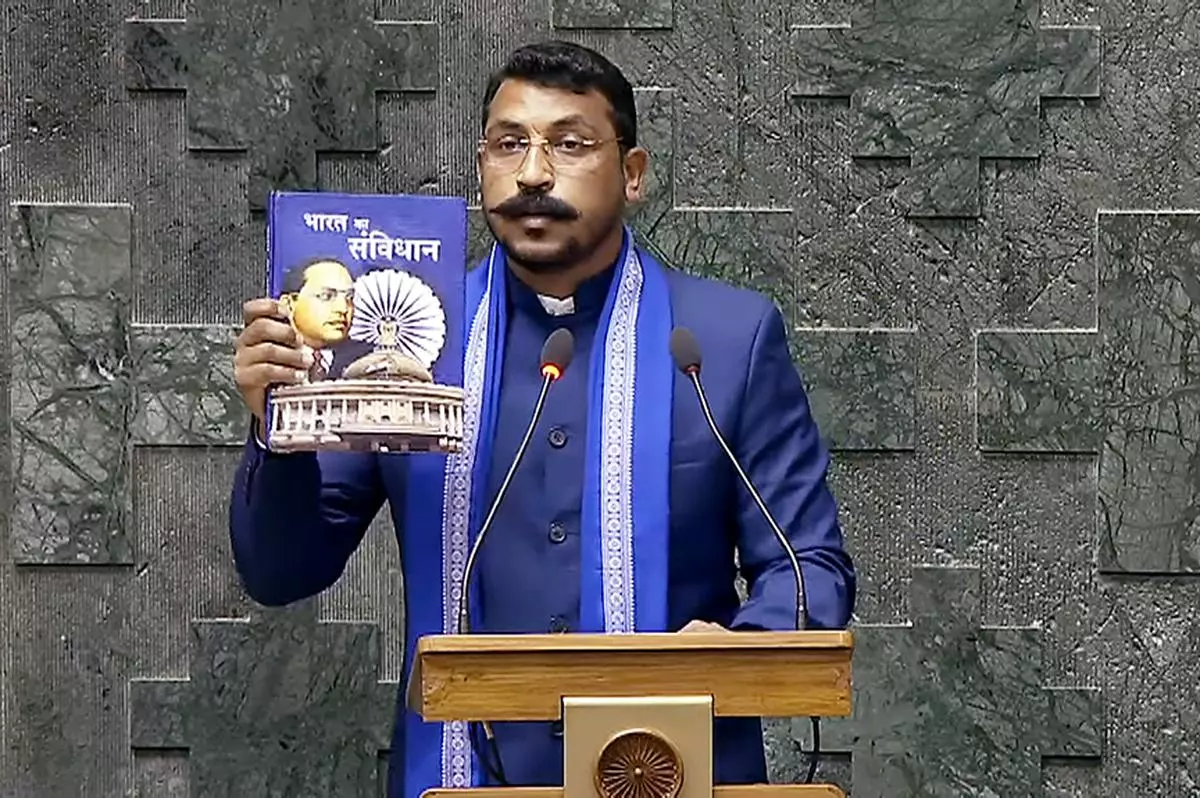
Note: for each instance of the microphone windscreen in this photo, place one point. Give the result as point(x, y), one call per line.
point(684, 350)
point(558, 349)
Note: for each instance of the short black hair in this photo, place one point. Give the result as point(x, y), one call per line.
point(565, 65)
point(293, 278)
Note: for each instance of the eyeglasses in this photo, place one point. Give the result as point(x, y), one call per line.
point(325, 293)
point(568, 151)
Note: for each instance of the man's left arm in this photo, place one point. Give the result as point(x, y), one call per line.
point(780, 447)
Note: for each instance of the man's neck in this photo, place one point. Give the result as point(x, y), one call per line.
point(562, 284)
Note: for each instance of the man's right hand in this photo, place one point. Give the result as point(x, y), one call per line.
point(266, 353)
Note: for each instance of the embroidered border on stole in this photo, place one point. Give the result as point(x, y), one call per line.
point(616, 469)
point(616, 481)
point(456, 519)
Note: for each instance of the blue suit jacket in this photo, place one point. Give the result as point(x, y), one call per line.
point(296, 519)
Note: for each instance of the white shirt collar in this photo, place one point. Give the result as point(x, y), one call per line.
point(557, 307)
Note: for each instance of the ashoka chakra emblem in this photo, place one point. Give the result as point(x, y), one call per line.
point(639, 764)
point(393, 304)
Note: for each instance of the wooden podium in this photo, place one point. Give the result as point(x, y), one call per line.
point(637, 709)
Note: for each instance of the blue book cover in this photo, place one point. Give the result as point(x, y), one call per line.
point(356, 273)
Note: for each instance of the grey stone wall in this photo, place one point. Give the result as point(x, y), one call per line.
point(978, 215)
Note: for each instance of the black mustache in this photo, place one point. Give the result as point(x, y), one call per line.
point(535, 205)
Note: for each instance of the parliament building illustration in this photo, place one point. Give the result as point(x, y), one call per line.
point(372, 389)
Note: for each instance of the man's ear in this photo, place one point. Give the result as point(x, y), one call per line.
point(635, 166)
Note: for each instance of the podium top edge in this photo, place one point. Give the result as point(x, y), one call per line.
point(814, 640)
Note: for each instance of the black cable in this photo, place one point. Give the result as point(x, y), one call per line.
point(495, 769)
point(815, 756)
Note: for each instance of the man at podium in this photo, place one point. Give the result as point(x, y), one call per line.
point(625, 514)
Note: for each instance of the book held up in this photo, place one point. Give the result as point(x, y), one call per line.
point(374, 287)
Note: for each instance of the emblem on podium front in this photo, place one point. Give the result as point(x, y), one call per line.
point(639, 763)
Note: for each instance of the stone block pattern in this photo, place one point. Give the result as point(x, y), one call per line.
point(969, 213)
point(944, 86)
point(281, 681)
point(975, 693)
point(1129, 391)
point(281, 86)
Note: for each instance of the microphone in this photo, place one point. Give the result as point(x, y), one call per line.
point(686, 354)
point(685, 351)
point(556, 356)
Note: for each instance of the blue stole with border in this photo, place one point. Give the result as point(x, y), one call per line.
point(624, 518)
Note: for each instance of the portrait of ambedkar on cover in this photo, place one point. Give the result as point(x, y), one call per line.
point(317, 298)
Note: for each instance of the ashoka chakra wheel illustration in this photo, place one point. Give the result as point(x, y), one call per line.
point(391, 295)
point(639, 764)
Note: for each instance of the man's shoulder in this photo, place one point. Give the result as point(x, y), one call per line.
point(716, 308)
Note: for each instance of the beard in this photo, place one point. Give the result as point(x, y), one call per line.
point(533, 256)
point(537, 259)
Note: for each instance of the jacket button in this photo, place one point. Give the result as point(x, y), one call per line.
point(558, 532)
point(557, 437)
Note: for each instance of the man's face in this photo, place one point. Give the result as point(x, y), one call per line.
point(321, 312)
point(549, 210)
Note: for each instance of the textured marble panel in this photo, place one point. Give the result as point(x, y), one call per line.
point(413, 168)
point(657, 125)
point(282, 85)
point(744, 247)
point(1130, 392)
point(1144, 638)
point(862, 386)
point(1149, 328)
point(71, 637)
point(279, 705)
point(200, 253)
point(945, 707)
point(945, 84)
point(7, 106)
point(162, 774)
point(70, 127)
point(186, 393)
point(877, 498)
point(861, 382)
point(74, 637)
point(618, 14)
point(185, 571)
point(1038, 391)
point(70, 394)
